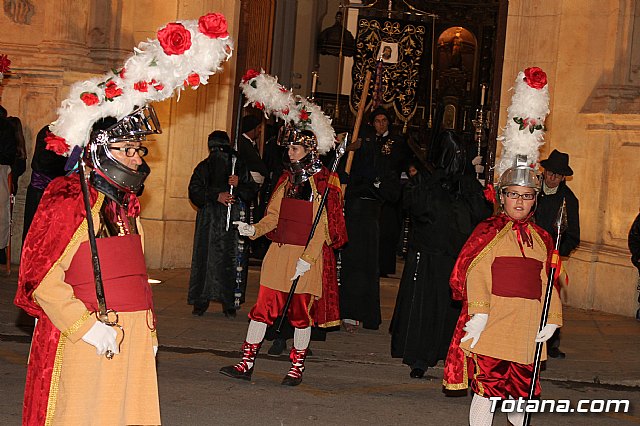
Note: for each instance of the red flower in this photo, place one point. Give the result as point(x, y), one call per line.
point(193, 80)
point(4, 64)
point(283, 90)
point(174, 38)
point(285, 111)
point(89, 98)
point(121, 73)
point(156, 85)
point(490, 193)
point(213, 25)
point(259, 105)
point(304, 115)
point(535, 77)
point(250, 75)
point(141, 86)
point(56, 144)
point(112, 90)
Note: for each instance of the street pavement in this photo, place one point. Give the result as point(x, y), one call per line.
point(350, 379)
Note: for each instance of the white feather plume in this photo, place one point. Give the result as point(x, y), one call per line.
point(149, 66)
point(264, 92)
point(524, 131)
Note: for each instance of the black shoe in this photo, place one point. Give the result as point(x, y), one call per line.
point(200, 308)
point(230, 371)
point(556, 353)
point(230, 313)
point(278, 346)
point(291, 381)
point(417, 373)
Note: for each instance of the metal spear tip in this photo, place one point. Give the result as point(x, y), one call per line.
point(342, 148)
point(561, 218)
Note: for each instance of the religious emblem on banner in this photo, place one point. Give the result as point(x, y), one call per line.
point(392, 51)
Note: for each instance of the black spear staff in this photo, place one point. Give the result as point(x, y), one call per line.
point(236, 136)
point(106, 316)
point(340, 150)
point(560, 225)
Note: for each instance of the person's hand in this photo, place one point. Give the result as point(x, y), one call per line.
point(225, 198)
point(546, 333)
point(103, 337)
point(302, 266)
point(474, 328)
point(245, 229)
point(233, 180)
point(477, 164)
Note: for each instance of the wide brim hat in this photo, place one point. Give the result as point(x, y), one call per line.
point(558, 162)
point(250, 122)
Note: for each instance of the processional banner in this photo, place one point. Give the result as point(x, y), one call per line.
point(392, 50)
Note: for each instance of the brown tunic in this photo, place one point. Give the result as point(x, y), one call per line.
point(513, 321)
point(279, 264)
point(89, 388)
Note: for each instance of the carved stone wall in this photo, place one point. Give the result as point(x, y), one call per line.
point(595, 117)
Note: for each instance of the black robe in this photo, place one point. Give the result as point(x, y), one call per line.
point(547, 210)
point(444, 211)
point(46, 165)
point(373, 180)
point(216, 251)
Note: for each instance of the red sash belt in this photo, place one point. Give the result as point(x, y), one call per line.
point(516, 277)
point(294, 222)
point(124, 274)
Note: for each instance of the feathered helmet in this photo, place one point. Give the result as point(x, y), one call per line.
point(185, 54)
point(524, 132)
point(305, 123)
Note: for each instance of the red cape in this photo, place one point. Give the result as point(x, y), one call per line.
point(327, 310)
point(59, 215)
point(457, 365)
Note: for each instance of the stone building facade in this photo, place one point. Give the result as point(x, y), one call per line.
point(590, 50)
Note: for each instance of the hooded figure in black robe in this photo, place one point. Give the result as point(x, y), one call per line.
point(217, 251)
point(445, 207)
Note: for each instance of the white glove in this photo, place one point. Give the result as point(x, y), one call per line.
point(302, 266)
point(546, 333)
point(474, 328)
point(477, 160)
point(103, 337)
point(245, 229)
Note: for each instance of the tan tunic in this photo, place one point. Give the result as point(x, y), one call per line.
point(513, 322)
point(91, 389)
point(279, 264)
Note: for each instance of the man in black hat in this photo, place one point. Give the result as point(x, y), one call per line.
point(554, 190)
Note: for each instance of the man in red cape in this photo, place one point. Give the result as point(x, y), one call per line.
point(506, 261)
point(288, 222)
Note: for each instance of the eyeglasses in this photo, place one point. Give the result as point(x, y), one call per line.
point(553, 175)
point(130, 151)
point(515, 195)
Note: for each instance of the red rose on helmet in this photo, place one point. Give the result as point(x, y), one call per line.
point(213, 25)
point(259, 105)
point(535, 77)
point(56, 144)
point(174, 38)
point(304, 115)
point(249, 75)
point(193, 80)
point(141, 86)
point(112, 90)
point(89, 98)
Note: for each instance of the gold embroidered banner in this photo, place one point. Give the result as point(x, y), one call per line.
point(392, 51)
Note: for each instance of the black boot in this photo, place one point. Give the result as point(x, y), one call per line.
point(279, 345)
point(244, 368)
point(199, 308)
point(294, 376)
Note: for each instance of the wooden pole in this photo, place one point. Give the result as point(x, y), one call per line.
point(356, 127)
